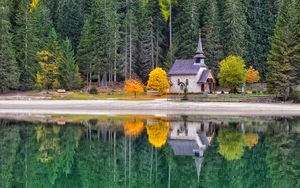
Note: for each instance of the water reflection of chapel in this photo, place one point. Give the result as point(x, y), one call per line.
point(188, 138)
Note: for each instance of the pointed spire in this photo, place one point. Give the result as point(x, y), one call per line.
point(199, 52)
point(199, 48)
point(199, 57)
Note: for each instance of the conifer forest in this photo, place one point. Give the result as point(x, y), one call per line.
point(72, 43)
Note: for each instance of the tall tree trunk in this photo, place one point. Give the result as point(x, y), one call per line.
point(152, 49)
point(99, 79)
point(90, 81)
point(105, 79)
point(87, 80)
point(157, 49)
point(115, 55)
point(130, 49)
point(126, 55)
point(26, 41)
point(110, 75)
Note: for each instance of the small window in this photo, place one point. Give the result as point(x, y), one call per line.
point(181, 87)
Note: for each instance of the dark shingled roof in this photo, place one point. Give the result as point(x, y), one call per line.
point(183, 147)
point(184, 67)
point(204, 76)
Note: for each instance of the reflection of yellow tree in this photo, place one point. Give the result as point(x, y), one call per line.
point(133, 128)
point(158, 133)
point(251, 139)
point(231, 144)
point(49, 142)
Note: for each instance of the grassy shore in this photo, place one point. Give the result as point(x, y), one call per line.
point(121, 95)
point(251, 98)
point(103, 96)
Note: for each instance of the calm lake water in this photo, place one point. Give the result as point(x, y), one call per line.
point(144, 151)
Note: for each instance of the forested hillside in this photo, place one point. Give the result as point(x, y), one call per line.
point(68, 43)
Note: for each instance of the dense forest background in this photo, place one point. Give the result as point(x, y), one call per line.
point(80, 41)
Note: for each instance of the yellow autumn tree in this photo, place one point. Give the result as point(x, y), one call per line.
point(34, 4)
point(251, 139)
point(232, 72)
point(252, 76)
point(47, 76)
point(158, 81)
point(158, 134)
point(133, 128)
point(133, 86)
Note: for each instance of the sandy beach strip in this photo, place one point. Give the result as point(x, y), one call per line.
point(153, 107)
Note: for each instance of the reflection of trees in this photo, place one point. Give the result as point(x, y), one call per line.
point(283, 155)
point(247, 172)
point(48, 137)
point(180, 170)
point(99, 156)
point(251, 139)
point(133, 128)
point(56, 148)
point(158, 133)
point(9, 143)
point(231, 143)
point(108, 158)
point(105, 159)
point(120, 160)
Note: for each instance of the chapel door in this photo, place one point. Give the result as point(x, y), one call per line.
point(203, 88)
point(210, 87)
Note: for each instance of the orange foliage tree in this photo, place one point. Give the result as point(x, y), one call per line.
point(252, 76)
point(158, 133)
point(133, 86)
point(158, 80)
point(133, 128)
point(251, 139)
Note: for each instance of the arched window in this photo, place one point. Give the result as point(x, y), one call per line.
point(181, 87)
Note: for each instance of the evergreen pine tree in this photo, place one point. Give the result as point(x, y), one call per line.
point(186, 28)
point(84, 52)
point(8, 67)
point(147, 60)
point(151, 38)
point(98, 44)
point(32, 29)
point(234, 28)
point(166, 7)
point(69, 76)
point(261, 18)
point(211, 36)
point(85, 6)
point(284, 55)
point(70, 20)
point(53, 6)
point(52, 44)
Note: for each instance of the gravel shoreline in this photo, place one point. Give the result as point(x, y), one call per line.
point(153, 107)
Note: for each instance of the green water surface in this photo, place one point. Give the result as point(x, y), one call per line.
point(136, 152)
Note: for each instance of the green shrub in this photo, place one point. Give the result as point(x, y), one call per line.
point(93, 91)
